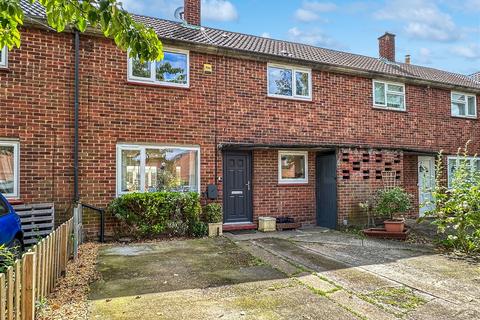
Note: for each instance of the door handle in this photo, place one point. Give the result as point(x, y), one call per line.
point(248, 186)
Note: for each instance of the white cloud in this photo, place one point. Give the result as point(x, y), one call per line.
point(472, 5)
point(424, 56)
point(423, 19)
point(319, 6)
point(310, 10)
point(265, 35)
point(218, 10)
point(314, 37)
point(471, 51)
point(133, 6)
point(305, 15)
point(213, 10)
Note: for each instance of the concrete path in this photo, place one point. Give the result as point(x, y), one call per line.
point(305, 274)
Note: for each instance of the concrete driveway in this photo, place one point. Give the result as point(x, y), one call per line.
point(306, 274)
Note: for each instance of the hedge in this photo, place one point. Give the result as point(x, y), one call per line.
point(152, 214)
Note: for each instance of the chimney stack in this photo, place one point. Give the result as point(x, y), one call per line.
point(408, 59)
point(386, 46)
point(192, 12)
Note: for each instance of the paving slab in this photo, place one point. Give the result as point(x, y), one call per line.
point(303, 274)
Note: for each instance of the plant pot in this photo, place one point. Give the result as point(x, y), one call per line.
point(215, 229)
point(394, 225)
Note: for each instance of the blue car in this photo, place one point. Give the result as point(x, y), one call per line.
point(11, 233)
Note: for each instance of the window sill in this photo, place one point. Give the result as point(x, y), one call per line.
point(465, 117)
point(389, 109)
point(292, 184)
point(14, 201)
point(155, 85)
point(310, 100)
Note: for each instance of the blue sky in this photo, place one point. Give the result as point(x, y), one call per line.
point(436, 33)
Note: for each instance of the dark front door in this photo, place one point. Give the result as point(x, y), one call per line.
point(326, 190)
point(237, 181)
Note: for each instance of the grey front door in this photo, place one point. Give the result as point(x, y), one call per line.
point(326, 190)
point(237, 181)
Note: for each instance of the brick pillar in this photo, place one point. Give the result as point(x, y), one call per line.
point(386, 46)
point(192, 11)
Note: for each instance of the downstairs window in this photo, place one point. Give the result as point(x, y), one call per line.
point(157, 168)
point(292, 167)
point(9, 168)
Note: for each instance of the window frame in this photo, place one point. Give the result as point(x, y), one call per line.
point(294, 69)
point(467, 95)
point(16, 168)
point(4, 58)
point(283, 181)
point(153, 80)
point(142, 148)
point(457, 160)
point(385, 106)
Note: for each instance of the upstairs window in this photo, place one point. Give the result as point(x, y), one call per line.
point(289, 82)
point(388, 95)
point(3, 57)
point(173, 70)
point(464, 105)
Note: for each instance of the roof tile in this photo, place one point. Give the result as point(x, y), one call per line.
point(249, 43)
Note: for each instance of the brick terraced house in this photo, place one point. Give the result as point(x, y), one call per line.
point(280, 128)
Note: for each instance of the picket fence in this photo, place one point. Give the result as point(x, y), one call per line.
point(34, 276)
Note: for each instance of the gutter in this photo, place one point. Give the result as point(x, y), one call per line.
point(76, 197)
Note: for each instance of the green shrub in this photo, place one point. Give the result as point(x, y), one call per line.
point(456, 210)
point(7, 258)
point(213, 213)
point(392, 201)
point(200, 229)
point(158, 213)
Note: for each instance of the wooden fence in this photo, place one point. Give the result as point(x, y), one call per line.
point(34, 276)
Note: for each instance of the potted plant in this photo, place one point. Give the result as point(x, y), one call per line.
point(391, 203)
point(214, 217)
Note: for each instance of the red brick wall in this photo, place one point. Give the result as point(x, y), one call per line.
point(360, 175)
point(192, 11)
point(386, 46)
point(410, 170)
point(37, 108)
point(275, 200)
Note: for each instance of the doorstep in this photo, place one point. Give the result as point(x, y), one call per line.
point(239, 226)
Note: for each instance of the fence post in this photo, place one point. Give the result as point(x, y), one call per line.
point(18, 298)
point(3, 297)
point(10, 293)
point(28, 286)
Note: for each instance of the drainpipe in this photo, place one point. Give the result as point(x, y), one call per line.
point(76, 107)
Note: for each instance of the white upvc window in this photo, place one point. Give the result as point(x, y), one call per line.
point(150, 168)
point(292, 167)
point(289, 82)
point(473, 163)
point(173, 70)
point(389, 95)
point(9, 168)
point(464, 105)
point(4, 57)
